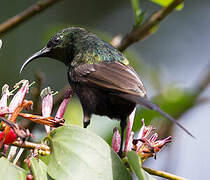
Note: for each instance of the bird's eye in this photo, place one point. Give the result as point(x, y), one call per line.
point(53, 42)
point(56, 40)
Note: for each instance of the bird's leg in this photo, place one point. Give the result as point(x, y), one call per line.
point(86, 119)
point(123, 124)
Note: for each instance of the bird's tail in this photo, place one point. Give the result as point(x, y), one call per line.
point(145, 102)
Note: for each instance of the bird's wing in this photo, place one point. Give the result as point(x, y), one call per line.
point(112, 76)
point(120, 78)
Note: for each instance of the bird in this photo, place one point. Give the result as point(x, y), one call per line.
point(100, 75)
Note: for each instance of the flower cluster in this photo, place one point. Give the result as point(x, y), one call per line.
point(10, 130)
point(17, 104)
point(47, 105)
point(145, 144)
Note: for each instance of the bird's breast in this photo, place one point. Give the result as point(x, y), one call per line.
point(100, 102)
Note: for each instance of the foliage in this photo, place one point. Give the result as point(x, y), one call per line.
point(10, 171)
point(165, 3)
point(136, 166)
point(76, 150)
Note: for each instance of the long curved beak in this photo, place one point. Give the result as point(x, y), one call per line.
point(42, 53)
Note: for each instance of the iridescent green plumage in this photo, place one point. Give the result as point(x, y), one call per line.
point(87, 47)
point(90, 49)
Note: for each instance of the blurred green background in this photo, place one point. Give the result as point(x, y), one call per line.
point(171, 63)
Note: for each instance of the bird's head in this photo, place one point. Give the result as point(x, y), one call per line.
point(60, 46)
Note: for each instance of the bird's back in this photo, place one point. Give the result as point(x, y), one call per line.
point(91, 49)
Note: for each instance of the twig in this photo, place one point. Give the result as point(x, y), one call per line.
point(18, 130)
point(143, 31)
point(163, 174)
point(202, 100)
point(26, 14)
point(50, 121)
point(31, 145)
point(18, 155)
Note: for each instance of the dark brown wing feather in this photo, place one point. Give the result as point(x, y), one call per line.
point(111, 76)
point(120, 78)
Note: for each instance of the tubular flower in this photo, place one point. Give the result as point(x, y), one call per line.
point(47, 104)
point(18, 98)
point(8, 135)
point(147, 146)
point(129, 129)
point(62, 108)
point(47, 101)
point(10, 130)
point(3, 101)
point(16, 104)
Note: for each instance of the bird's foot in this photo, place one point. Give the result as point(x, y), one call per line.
point(121, 154)
point(86, 123)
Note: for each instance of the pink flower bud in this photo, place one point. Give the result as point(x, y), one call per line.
point(129, 128)
point(143, 134)
point(142, 130)
point(153, 138)
point(5, 95)
point(63, 105)
point(130, 142)
point(160, 143)
point(116, 139)
point(47, 104)
point(19, 96)
point(3, 101)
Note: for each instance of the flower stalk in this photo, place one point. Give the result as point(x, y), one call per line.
point(163, 174)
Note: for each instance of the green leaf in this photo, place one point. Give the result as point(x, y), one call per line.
point(39, 169)
point(74, 114)
point(165, 3)
point(135, 164)
point(10, 171)
point(80, 154)
point(45, 159)
point(139, 15)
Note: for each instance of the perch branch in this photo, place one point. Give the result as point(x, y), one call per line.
point(25, 15)
point(143, 31)
point(163, 174)
point(30, 145)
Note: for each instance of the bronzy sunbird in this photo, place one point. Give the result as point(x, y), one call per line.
point(100, 75)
